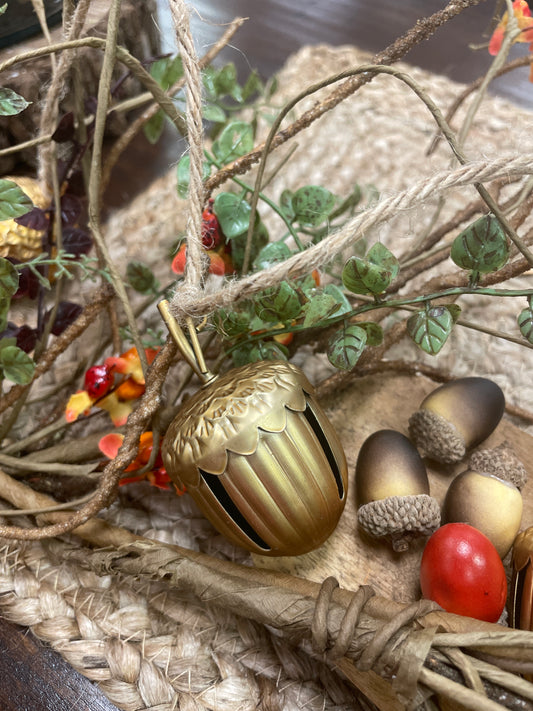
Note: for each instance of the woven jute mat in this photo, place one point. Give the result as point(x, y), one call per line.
point(152, 646)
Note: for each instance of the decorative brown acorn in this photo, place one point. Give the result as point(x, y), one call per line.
point(257, 454)
point(456, 417)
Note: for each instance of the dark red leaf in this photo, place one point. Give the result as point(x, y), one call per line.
point(26, 336)
point(76, 241)
point(67, 313)
point(35, 219)
point(71, 208)
point(65, 129)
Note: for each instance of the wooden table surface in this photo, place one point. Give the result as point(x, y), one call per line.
point(34, 678)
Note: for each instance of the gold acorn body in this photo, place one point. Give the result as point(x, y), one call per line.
point(456, 417)
point(261, 459)
point(17, 241)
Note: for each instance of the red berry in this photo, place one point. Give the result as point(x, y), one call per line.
point(211, 234)
point(98, 381)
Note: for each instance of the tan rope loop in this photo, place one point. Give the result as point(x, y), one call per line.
point(394, 648)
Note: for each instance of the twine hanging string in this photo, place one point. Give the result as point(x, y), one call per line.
point(193, 82)
point(192, 303)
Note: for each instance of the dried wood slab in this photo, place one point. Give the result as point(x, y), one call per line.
point(364, 406)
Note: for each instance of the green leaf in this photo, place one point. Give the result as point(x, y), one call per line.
point(279, 303)
point(5, 303)
point(272, 253)
point(312, 204)
point(285, 203)
point(481, 247)
point(11, 103)
point(379, 255)
point(430, 328)
point(374, 333)
point(525, 323)
point(141, 278)
point(214, 113)
point(16, 365)
point(153, 128)
point(232, 324)
point(13, 201)
point(319, 308)
point(362, 277)
point(340, 297)
point(267, 350)
point(345, 347)
point(233, 214)
point(3, 8)
point(238, 244)
point(184, 176)
point(167, 71)
point(9, 277)
point(7, 343)
point(225, 80)
point(235, 141)
point(252, 86)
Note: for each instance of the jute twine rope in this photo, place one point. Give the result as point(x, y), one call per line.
point(191, 301)
point(193, 83)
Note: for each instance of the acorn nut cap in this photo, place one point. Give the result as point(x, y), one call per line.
point(501, 461)
point(400, 518)
point(456, 417)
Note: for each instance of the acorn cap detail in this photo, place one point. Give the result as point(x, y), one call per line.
point(501, 461)
point(469, 409)
point(400, 518)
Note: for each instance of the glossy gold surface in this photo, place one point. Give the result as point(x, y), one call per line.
point(488, 503)
point(473, 405)
point(388, 465)
point(521, 595)
point(261, 459)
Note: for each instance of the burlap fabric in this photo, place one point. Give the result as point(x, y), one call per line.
point(151, 648)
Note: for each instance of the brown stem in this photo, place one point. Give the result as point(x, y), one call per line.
point(125, 139)
point(423, 30)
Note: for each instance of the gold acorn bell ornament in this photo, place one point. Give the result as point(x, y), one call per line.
point(257, 453)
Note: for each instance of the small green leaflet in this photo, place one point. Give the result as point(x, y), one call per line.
point(233, 214)
point(153, 128)
point(312, 204)
point(373, 274)
point(525, 321)
point(430, 328)
point(141, 278)
point(231, 323)
point(16, 365)
point(184, 175)
point(13, 201)
point(280, 303)
point(481, 247)
point(236, 139)
point(319, 308)
point(345, 347)
point(9, 277)
point(272, 253)
point(167, 71)
point(11, 103)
